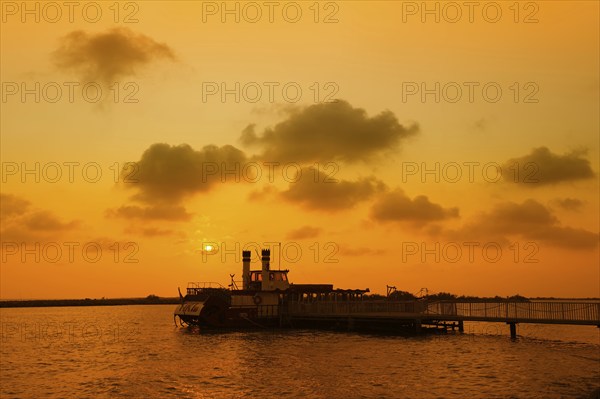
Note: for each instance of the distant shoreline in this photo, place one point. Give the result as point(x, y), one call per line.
point(42, 303)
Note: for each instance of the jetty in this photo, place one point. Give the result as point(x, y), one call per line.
point(439, 314)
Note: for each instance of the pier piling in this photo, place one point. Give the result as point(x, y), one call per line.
point(417, 326)
point(513, 330)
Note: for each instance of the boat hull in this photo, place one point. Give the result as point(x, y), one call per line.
point(216, 312)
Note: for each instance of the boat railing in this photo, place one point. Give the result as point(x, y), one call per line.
point(268, 310)
point(204, 284)
point(263, 310)
point(194, 288)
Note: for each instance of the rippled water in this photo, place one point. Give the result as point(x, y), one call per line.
point(136, 352)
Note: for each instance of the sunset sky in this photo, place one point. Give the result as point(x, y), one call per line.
point(142, 172)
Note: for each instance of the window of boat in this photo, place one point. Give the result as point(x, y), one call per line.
point(278, 276)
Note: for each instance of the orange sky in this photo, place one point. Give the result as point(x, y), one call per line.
point(353, 105)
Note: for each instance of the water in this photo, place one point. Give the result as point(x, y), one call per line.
point(136, 352)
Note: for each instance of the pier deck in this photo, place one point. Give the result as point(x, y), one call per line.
point(421, 312)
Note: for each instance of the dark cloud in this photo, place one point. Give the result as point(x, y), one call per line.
point(46, 221)
point(304, 232)
point(168, 174)
point(11, 205)
point(512, 218)
point(22, 222)
point(569, 204)
point(109, 56)
point(314, 190)
point(542, 167)
point(333, 131)
point(396, 206)
point(529, 220)
point(157, 212)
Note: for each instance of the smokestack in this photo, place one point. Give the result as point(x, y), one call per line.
point(246, 269)
point(266, 259)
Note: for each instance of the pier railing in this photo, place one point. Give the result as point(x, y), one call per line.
point(524, 312)
point(547, 311)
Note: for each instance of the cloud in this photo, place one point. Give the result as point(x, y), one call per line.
point(542, 167)
point(529, 220)
point(315, 190)
point(569, 204)
point(396, 206)
point(22, 222)
point(168, 174)
point(304, 232)
point(158, 212)
point(567, 237)
point(261, 194)
point(325, 132)
point(153, 232)
point(109, 56)
point(11, 205)
point(46, 221)
point(510, 217)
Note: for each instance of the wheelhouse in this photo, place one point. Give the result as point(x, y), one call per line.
point(273, 275)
